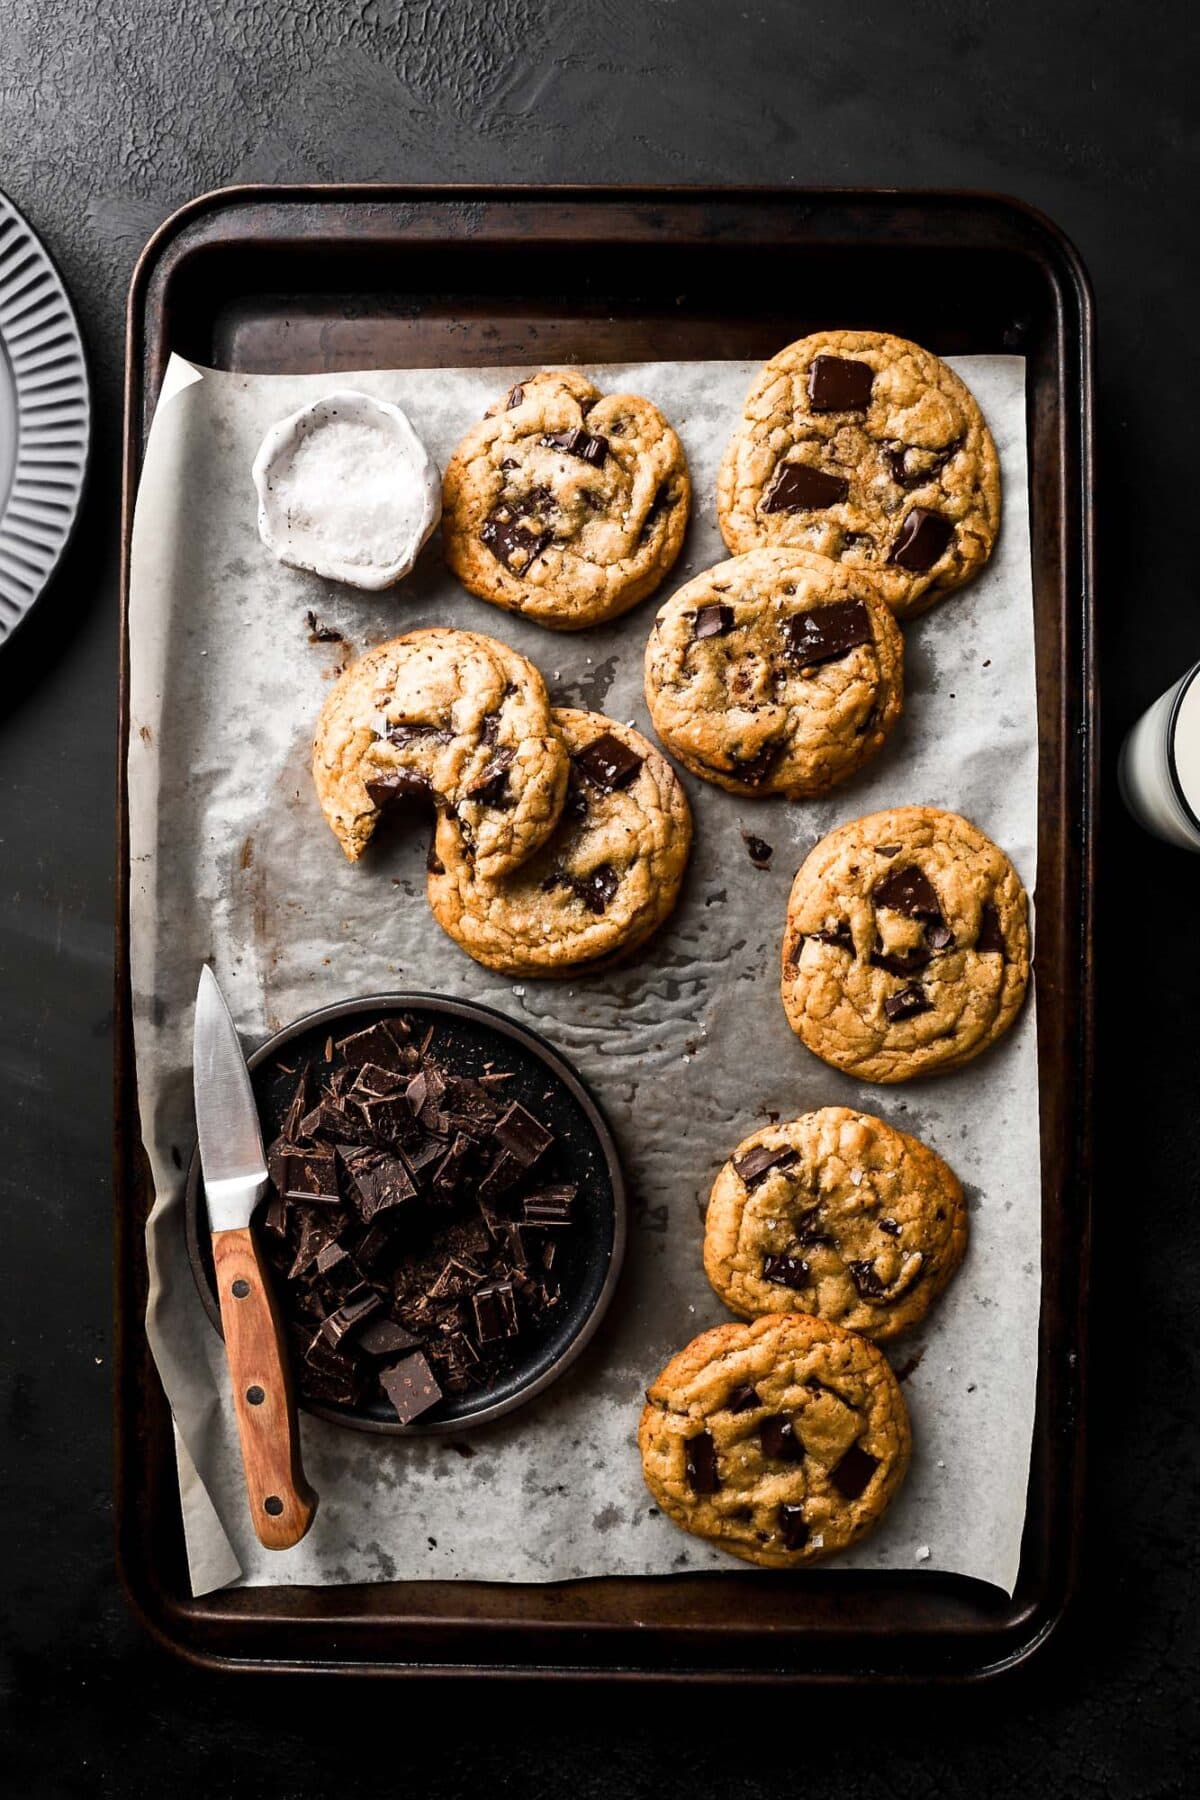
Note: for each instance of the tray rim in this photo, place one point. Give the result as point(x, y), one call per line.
point(1041, 1617)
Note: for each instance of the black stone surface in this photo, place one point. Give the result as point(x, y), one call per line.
point(114, 114)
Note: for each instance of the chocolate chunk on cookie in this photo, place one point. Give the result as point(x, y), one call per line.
point(870, 450)
point(778, 672)
point(449, 718)
point(929, 960)
point(564, 503)
point(782, 1441)
point(862, 1219)
point(603, 882)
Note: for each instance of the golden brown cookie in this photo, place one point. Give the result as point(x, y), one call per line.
point(778, 672)
point(906, 950)
point(782, 1441)
point(564, 503)
point(865, 448)
point(602, 883)
point(838, 1213)
point(449, 717)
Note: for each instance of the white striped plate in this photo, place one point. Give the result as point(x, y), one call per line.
point(44, 418)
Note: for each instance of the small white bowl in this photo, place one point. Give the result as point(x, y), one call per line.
point(347, 490)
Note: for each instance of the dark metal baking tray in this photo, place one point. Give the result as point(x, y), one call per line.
point(328, 278)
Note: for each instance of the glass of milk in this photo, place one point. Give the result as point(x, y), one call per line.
point(1160, 764)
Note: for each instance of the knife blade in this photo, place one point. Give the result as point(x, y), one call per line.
point(282, 1505)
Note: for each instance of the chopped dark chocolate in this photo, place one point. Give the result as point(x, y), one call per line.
point(753, 770)
point(866, 1280)
point(379, 1182)
point(828, 632)
point(299, 1104)
point(902, 962)
point(712, 621)
point(793, 1526)
point(511, 541)
point(492, 787)
point(922, 539)
point(410, 1386)
point(597, 888)
point(743, 1398)
point(383, 1337)
point(275, 1217)
point(786, 1271)
point(349, 1316)
point(799, 487)
point(522, 1135)
point(315, 1234)
point(906, 889)
point(891, 1226)
point(396, 785)
point(513, 398)
point(549, 1206)
point(778, 1438)
point(837, 935)
point(447, 1173)
point(758, 1163)
point(759, 851)
point(907, 1003)
point(376, 1083)
point(700, 1461)
point(991, 936)
point(939, 936)
point(838, 384)
point(579, 443)
point(608, 763)
point(852, 1476)
point(495, 1310)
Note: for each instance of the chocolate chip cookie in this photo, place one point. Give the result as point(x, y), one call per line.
point(839, 1214)
point(606, 878)
point(865, 448)
point(779, 672)
point(450, 718)
point(782, 1441)
point(565, 504)
point(906, 950)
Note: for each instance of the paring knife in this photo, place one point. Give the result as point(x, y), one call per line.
point(282, 1504)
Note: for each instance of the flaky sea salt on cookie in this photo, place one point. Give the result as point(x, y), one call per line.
point(347, 490)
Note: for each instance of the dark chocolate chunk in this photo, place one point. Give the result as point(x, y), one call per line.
point(299, 1104)
point(852, 1476)
point(700, 1461)
point(888, 849)
point(922, 539)
point(902, 962)
point(760, 852)
point(911, 465)
point(608, 763)
point(379, 1044)
point(793, 1527)
point(349, 1316)
point(837, 384)
point(311, 1178)
point(828, 632)
point(523, 1136)
point(448, 1172)
point(402, 732)
point(777, 1436)
point(907, 1003)
point(380, 1182)
point(787, 1271)
point(315, 1234)
point(514, 397)
point(375, 1244)
point(837, 935)
point(510, 541)
point(495, 1310)
point(330, 1119)
point(579, 443)
point(891, 1226)
point(492, 787)
point(758, 1163)
point(596, 889)
point(410, 1386)
point(742, 1398)
point(866, 1280)
point(329, 1374)
point(798, 487)
point(939, 936)
point(397, 785)
point(383, 1337)
point(712, 621)
point(503, 1174)
point(372, 1082)
point(549, 1206)
point(906, 890)
point(275, 1217)
point(753, 770)
point(991, 937)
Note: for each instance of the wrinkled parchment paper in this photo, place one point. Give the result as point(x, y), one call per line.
point(687, 1047)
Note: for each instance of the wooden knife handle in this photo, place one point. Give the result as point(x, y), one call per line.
point(282, 1505)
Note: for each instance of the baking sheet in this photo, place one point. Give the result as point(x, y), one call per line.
point(232, 862)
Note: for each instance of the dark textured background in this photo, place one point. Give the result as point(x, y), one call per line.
point(113, 114)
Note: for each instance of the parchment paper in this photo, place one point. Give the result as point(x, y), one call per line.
point(687, 1047)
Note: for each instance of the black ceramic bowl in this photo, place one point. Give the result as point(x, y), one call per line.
point(465, 1037)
